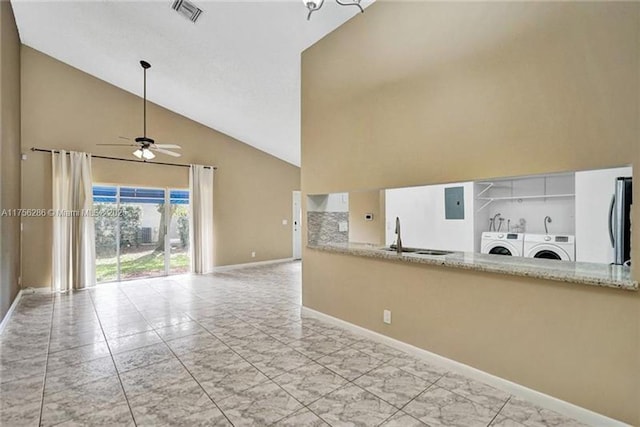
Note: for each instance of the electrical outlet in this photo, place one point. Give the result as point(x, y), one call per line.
point(253, 254)
point(386, 316)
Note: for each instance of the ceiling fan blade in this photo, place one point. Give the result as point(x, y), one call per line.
point(160, 150)
point(167, 146)
point(124, 137)
point(119, 145)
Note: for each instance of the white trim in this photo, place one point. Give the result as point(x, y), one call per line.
point(13, 306)
point(544, 400)
point(38, 290)
point(250, 264)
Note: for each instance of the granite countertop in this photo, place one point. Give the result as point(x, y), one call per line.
point(612, 276)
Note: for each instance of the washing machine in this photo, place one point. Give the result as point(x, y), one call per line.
point(497, 243)
point(550, 246)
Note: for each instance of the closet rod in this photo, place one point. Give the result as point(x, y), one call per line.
point(43, 150)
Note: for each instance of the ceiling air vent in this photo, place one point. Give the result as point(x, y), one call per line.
point(187, 9)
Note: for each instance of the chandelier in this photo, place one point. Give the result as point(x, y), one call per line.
point(312, 5)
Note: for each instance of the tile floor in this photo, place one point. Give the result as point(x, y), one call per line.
point(226, 349)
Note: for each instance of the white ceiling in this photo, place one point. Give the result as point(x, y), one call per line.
point(237, 70)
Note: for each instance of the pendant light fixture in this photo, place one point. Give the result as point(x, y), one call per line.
point(313, 5)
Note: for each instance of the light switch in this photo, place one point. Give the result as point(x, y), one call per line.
point(284, 222)
point(343, 226)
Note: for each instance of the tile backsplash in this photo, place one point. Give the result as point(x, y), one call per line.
point(324, 227)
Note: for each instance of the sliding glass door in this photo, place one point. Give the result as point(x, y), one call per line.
point(147, 237)
point(105, 203)
point(142, 232)
point(178, 231)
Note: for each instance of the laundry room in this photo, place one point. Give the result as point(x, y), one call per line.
point(534, 204)
point(523, 208)
point(568, 217)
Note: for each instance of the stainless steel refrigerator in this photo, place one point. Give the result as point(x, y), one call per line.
point(620, 221)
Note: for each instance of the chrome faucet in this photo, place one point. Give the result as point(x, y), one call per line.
point(398, 240)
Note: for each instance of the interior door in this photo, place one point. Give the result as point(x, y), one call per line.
point(297, 225)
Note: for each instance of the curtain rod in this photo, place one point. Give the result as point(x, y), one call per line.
point(43, 150)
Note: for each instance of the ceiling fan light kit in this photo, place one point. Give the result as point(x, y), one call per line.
point(144, 153)
point(148, 154)
point(146, 146)
point(313, 5)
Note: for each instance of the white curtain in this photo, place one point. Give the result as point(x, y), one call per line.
point(201, 218)
point(74, 256)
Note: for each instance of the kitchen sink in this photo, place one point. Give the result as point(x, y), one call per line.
point(418, 251)
point(433, 252)
point(408, 250)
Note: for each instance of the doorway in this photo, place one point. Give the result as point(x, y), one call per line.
point(297, 226)
point(140, 232)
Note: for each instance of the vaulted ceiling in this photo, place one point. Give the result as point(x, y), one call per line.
point(236, 70)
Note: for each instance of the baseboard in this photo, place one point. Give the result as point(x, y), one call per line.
point(543, 400)
point(7, 316)
point(39, 290)
point(250, 264)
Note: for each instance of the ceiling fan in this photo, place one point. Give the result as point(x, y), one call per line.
point(145, 146)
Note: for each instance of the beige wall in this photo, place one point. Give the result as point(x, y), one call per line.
point(420, 93)
point(65, 108)
point(361, 230)
point(9, 156)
